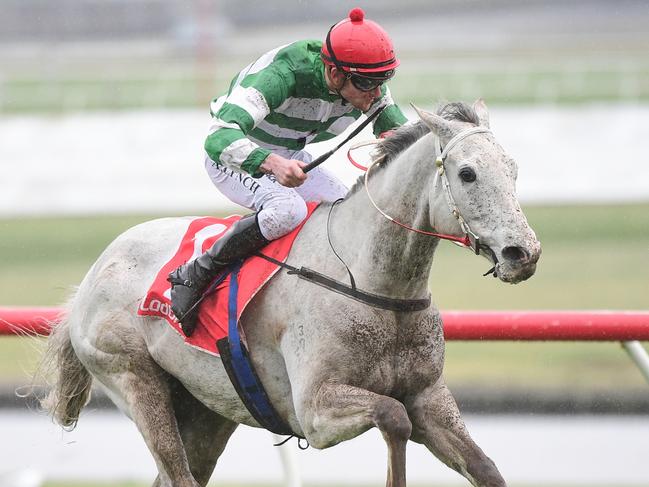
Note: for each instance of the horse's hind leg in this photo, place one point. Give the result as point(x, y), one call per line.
point(184, 436)
point(143, 390)
point(437, 424)
point(147, 393)
point(204, 432)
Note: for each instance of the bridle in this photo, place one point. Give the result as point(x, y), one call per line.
point(470, 239)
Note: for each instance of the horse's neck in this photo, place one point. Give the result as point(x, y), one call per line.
point(387, 258)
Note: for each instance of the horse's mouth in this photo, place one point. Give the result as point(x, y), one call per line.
point(506, 271)
point(491, 256)
point(514, 275)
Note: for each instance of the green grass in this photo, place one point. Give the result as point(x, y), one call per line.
point(504, 81)
point(575, 367)
point(41, 271)
point(502, 87)
point(594, 257)
point(37, 96)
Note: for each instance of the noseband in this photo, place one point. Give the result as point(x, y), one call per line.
point(470, 239)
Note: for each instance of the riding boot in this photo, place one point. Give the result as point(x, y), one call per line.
point(191, 279)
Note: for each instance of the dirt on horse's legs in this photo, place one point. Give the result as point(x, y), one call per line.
point(437, 424)
point(339, 412)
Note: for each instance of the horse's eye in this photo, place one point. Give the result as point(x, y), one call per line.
point(467, 174)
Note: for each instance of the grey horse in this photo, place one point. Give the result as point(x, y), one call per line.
point(332, 367)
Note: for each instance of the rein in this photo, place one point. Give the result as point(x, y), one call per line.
point(357, 130)
point(351, 291)
point(371, 299)
point(470, 239)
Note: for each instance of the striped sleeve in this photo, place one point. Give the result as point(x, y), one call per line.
point(390, 118)
point(259, 89)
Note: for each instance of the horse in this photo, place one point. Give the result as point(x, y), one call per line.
point(333, 367)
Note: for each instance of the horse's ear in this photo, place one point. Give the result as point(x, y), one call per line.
point(480, 108)
point(437, 124)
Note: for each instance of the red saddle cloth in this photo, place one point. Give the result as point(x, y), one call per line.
point(213, 314)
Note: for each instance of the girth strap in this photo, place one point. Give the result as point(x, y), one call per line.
point(374, 300)
point(241, 372)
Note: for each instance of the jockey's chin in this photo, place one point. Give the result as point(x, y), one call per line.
point(363, 104)
point(361, 100)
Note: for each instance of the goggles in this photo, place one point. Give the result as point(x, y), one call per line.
point(365, 84)
point(369, 83)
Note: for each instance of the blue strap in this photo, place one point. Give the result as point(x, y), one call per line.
point(254, 395)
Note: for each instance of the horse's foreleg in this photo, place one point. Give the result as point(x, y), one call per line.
point(437, 424)
point(339, 412)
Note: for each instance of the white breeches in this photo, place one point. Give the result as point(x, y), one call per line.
point(280, 209)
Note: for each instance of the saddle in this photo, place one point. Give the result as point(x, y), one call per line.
point(213, 316)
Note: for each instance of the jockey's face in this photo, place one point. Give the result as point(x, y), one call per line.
point(357, 98)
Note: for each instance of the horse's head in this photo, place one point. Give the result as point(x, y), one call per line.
point(474, 191)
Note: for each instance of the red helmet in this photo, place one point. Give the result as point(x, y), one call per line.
point(359, 45)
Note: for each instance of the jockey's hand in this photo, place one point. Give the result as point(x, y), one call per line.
point(386, 134)
point(288, 172)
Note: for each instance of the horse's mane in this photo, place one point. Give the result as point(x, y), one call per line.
point(388, 149)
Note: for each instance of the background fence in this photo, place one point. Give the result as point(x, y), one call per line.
point(627, 327)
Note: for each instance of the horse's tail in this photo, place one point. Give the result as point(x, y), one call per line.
point(70, 390)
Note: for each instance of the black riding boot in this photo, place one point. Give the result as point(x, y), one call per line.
point(191, 279)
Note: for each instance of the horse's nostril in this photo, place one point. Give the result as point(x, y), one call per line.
point(515, 254)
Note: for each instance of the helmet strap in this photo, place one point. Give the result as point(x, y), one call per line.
point(331, 85)
point(330, 48)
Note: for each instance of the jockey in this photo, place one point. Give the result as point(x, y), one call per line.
point(303, 92)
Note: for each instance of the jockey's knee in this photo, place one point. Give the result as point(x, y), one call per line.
point(279, 218)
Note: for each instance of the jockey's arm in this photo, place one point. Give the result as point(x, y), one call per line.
point(245, 155)
point(237, 114)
